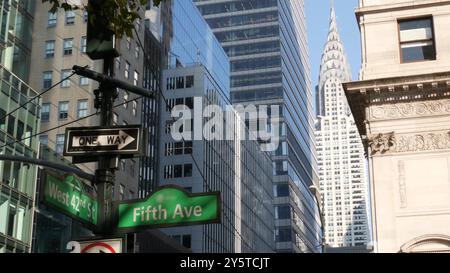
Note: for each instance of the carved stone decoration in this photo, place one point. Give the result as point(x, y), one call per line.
point(419, 143)
point(410, 110)
point(402, 184)
point(384, 143)
point(381, 143)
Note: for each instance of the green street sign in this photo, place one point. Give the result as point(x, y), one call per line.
point(168, 207)
point(68, 196)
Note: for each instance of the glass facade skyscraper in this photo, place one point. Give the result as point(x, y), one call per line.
point(18, 180)
point(266, 42)
point(192, 41)
point(198, 67)
point(150, 114)
point(237, 168)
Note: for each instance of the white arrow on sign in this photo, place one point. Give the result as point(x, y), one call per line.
point(121, 140)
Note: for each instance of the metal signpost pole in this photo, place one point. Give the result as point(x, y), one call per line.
point(105, 176)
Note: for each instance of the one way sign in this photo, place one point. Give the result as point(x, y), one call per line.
point(91, 141)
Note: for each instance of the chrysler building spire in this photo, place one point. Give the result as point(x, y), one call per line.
point(334, 61)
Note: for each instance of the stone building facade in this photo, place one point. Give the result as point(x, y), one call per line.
point(401, 106)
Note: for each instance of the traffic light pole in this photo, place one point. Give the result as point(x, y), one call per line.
point(105, 174)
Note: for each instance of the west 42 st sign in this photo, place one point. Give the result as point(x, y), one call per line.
point(68, 196)
point(170, 206)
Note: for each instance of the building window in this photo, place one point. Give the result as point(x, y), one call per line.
point(283, 234)
point(179, 148)
point(45, 112)
point(417, 40)
point(128, 43)
point(63, 110)
point(189, 102)
point(84, 81)
point(135, 104)
point(85, 16)
point(83, 45)
point(43, 140)
point(118, 63)
point(121, 192)
point(82, 108)
point(187, 170)
point(127, 70)
point(65, 74)
point(281, 190)
point(70, 17)
point(169, 149)
point(170, 84)
point(184, 240)
point(50, 49)
point(52, 19)
point(283, 212)
point(137, 52)
point(180, 83)
point(168, 172)
point(178, 171)
point(68, 46)
point(126, 97)
point(59, 144)
point(188, 147)
point(136, 78)
point(189, 81)
point(47, 79)
point(168, 127)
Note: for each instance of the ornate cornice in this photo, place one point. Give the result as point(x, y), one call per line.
point(409, 110)
point(391, 86)
point(392, 143)
point(389, 92)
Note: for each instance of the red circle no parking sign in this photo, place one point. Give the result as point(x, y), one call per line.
point(98, 247)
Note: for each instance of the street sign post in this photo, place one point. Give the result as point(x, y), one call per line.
point(170, 206)
point(96, 141)
point(68, 196)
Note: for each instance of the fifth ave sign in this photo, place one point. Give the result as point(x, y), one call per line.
point(101, 140)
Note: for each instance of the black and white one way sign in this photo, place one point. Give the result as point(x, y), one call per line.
point(101, 140)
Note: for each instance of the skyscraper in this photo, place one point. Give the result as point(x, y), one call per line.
point(340, 153)
point(18, 180)
point(199, 69)
point(237, 168)
point(266, 42)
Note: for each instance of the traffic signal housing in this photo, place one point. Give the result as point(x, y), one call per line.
point(101, 42)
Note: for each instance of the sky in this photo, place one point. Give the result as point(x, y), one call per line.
point(318, 17)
